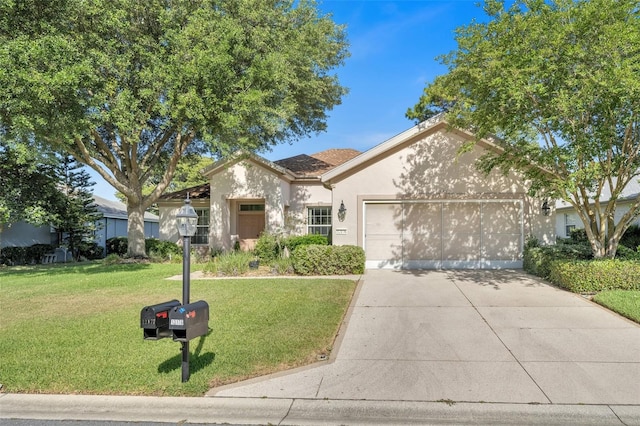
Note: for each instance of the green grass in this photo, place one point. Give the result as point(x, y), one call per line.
point(624, 302)
point(76, 329)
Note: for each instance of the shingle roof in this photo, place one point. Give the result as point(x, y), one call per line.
point(318, 163)
point(116, 209)
point(195, 193)
point(336, 156)
point(306, 166)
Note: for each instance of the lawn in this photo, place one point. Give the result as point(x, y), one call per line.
point(624, 302)
point(76, 329)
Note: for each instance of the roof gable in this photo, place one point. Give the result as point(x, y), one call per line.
point(407, 137)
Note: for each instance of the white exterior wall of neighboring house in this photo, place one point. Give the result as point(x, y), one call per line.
point(567, 218)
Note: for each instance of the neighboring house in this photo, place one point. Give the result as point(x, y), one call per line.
point(113, 223)
point(411, 202)
point(567, 218)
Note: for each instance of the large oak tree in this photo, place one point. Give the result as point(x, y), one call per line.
point(129, 87)
point(558, 84)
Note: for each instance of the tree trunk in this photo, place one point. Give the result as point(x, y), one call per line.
point(135, 230)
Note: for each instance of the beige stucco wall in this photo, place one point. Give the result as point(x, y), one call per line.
point(285, 203)
point(167, 214)
point(428, 167)
point(304, 195)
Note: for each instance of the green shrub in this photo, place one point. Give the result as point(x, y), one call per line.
point(328, 260)
point(537, 259)
point(117, 245)
point(283, 266)
point(36, 251)
point(24, 255)
point(13, 255)
point(595, 275)
point(160, 249)
point(91, 251)
point(154, 247)
point(268, 247)
point(301, 240)
point(631, 238)
point(229, 264)
point(625, 253)
point(578, 236)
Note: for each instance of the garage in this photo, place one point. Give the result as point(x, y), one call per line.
point(443, 234)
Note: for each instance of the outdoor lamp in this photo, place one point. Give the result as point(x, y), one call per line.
point(545, 208)
point(342, 211)
point(187, 224)
point(187, 219)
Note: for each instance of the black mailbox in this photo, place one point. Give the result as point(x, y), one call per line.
point(154, 320)
point(189, 321)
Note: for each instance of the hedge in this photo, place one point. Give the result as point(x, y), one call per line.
point(152, 246)
point(328, 260)
point(269, 247)
point(24, 255)
point(537, 259)
point(595, 275)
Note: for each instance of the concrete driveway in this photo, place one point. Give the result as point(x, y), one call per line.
point(468, 336)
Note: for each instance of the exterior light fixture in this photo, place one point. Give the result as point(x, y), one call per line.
point(187, 224)
point(187, 219)
point(545, 208)
point(185, 321)
point(342, 212)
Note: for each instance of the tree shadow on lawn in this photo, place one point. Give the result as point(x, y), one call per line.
point(197, 361)
point(89, 267)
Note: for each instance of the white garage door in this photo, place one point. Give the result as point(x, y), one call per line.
point(443, 234)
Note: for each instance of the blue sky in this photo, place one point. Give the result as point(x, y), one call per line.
point(393, 46)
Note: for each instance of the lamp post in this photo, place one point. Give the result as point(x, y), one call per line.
point(187, 224)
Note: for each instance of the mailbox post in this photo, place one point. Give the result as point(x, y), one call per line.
point(187, 225)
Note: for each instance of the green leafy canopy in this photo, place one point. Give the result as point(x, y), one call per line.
point(558, 84)
point(128, 87)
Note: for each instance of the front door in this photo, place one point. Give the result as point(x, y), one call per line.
point(251, 223)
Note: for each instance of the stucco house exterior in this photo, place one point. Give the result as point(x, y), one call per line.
point(567, 218)
point(412, 202)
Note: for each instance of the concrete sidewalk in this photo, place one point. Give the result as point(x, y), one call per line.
point(424, 347)
point(261, 411)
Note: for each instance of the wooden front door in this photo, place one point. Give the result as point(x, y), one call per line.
point(251, 223)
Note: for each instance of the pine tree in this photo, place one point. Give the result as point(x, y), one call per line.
point(77, 213)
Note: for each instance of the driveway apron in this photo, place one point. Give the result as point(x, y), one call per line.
point(474, 336)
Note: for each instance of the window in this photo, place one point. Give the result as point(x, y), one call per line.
point(202, 231)
point(319, 221)
point(251, 207)
point(569, 225)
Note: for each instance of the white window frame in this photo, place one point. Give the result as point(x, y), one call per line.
point(202, 230)
point(316, 215)
point(569, 225)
